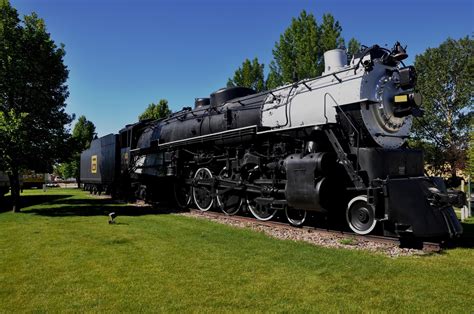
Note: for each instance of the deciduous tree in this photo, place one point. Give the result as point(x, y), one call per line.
point(83, 132)
point(82, 135)
point(64, 170)
point(445, 79)
point(156, 111)
point(250, 75)
point(471, 152)
point(33, 91)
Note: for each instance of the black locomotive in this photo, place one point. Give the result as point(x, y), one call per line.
point(332, 145)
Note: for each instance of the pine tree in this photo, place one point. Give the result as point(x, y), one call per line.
point(353, 47)
point(299, 52)
point(330, 30)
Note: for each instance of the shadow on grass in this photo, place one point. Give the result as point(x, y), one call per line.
point(63, 205)
point(31, 200)
point(468, 229)
point(467, 238)
point(96, 209)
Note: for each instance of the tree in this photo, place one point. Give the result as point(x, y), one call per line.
point(274, 78)
point(299, 52)
point(82, 135)
point(33, 91)
point(156, 111)
point(83, 132)
point(65, 170)
point(330, 37)
point(445, 79)
point(12, 143)
point(353, 47)
point(250, 75)
point(471, 152)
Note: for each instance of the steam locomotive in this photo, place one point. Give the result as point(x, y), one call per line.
point(333, 145)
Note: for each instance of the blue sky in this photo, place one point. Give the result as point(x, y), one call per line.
point(123, 55)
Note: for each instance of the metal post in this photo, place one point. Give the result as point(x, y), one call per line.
point(464, 207)
point(469, 196)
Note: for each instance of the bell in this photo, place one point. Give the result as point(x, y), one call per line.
point(398, 52)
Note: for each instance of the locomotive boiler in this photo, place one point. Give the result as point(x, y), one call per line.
point(333, 145)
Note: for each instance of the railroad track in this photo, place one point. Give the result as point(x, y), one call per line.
point(425, 246)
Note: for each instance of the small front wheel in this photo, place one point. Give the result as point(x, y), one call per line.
point(296, 217)
point(360, 215)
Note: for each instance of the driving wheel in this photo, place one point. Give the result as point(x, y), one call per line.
point(202, 192)
point(229, 200)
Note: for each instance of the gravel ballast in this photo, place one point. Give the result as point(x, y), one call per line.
point(311, 236)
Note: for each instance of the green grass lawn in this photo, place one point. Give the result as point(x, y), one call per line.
point(61, 255)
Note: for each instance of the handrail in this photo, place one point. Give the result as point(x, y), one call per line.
point(254, 96)
point(348, 120)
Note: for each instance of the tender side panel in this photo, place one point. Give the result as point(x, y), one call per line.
point(99, 162)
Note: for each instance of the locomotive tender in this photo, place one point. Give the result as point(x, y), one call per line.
point(334, 144)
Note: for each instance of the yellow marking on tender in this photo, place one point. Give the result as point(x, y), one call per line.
point(94, 164)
